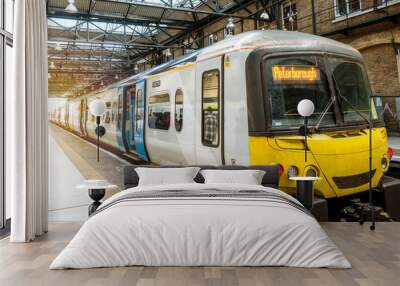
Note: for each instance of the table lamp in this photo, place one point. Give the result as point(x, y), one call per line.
point(305, 108)
point(97, 108)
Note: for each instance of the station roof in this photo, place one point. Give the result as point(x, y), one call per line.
point(103, 39)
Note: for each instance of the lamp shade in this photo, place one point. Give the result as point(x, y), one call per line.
point(305, 108)
point(71, 8)
point(97, 107)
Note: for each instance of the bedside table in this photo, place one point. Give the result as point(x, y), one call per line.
point(305, 190)
point(96, 190)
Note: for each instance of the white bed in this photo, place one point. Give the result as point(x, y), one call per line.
point(202, 231)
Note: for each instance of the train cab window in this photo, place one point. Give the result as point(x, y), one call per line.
point(353, 90)
point(178, 110)
point(159, 111)
point(288, 80)
point(210, 108)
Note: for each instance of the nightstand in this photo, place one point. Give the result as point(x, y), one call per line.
point(305, 190)
point(96, 190)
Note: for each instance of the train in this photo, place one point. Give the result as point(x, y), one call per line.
point(234, 102)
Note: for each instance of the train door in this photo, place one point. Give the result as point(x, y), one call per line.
point(121, 117)
point(85, 116)
point(130, 123)
point(209, 112)
point(140, 107)
point(82, 116)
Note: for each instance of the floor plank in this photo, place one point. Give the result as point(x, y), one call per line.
point(375, 257)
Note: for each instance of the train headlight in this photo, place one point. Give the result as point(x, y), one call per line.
point(311, 172)
point(292, 171)
point(384, 163)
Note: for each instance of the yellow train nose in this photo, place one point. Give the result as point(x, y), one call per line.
point(341, 160)
point(344, 159)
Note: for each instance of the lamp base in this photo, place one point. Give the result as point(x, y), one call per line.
point(100, 131)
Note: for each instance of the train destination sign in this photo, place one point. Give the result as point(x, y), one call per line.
point(295, 73)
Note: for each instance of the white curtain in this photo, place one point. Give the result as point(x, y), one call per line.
point(27, 155)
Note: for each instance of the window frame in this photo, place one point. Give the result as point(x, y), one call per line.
point(348, 13)
point(6, 40)
point(219, 108)
point(284, 17)
point(152, 104)
point(183, 95)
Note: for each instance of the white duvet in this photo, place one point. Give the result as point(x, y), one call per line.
point(206, 231)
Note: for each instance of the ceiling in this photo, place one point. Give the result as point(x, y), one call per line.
point(103, 40)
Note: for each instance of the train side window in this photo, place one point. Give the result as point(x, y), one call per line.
point(178, 110)
point(210, 108)
point(159, 111)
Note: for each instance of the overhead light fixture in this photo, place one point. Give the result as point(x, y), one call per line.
point(58, 47)
point(168, 53)
point(230, 27)
point(116, 76)
point(136, 68)
point(52, 65)
point(101, 83)
point(71, 8)
point(264, 16)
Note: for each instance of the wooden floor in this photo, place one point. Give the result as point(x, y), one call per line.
point(375, 257)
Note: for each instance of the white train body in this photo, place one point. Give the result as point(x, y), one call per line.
point(221, 105)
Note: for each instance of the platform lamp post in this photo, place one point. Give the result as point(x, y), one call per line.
point(97, 108)
point(305, 108)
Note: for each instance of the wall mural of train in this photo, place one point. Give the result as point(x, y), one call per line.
point(235, 103)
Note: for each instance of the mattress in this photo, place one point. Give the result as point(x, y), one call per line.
point(201, 225)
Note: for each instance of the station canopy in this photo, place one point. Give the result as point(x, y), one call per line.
point(102, 41)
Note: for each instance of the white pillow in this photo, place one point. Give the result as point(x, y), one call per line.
point(248, 177)
point(166, 176)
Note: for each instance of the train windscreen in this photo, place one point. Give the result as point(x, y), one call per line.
point(291, 79)
point(353, 90)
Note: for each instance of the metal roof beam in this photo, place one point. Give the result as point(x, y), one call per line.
point(219, 12)
point(171, 24)
point(128, 45)
point(79, 71)
point(200, 24)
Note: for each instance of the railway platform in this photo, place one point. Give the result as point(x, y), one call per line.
point(72, 160)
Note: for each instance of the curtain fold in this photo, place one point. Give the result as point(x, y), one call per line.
point(27, 123)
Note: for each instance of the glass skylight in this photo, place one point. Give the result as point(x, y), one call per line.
point(97, 26)
point(173, 3)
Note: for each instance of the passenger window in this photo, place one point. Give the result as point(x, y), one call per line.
point(210, 108)
point(159, 111)
point(178, 110)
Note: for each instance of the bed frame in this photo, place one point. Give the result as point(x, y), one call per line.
point(270, 179)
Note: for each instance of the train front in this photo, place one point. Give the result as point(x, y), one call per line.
point(338, 144)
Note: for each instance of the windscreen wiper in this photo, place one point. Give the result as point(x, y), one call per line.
point(328, 106)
